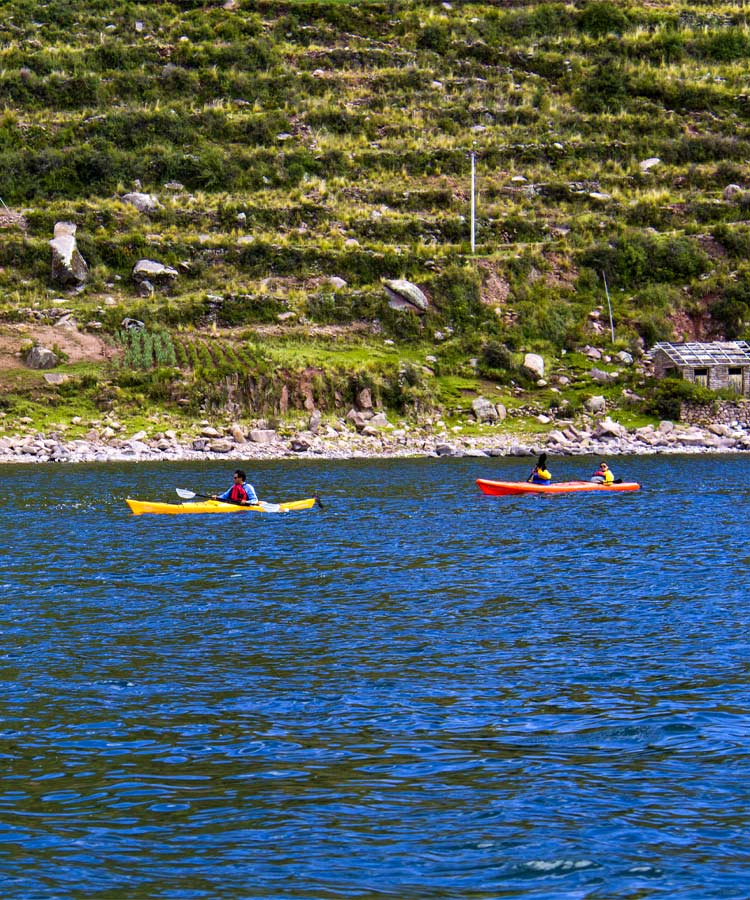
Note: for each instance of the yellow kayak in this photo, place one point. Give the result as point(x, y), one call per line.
point(139, 507)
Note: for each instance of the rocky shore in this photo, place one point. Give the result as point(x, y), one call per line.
point(604, 438)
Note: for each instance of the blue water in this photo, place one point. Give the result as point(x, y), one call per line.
point(416, 692)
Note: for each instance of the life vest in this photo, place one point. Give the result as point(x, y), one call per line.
point(605, 474)
point(238, 493)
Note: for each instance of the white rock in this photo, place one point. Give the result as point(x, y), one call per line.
point(534, 363)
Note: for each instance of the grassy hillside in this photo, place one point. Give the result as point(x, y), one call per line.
point(293, 143)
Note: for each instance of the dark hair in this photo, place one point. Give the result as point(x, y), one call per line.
point(240, 473)
point(542, 463)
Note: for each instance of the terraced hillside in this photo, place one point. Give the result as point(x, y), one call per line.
point(298, 154)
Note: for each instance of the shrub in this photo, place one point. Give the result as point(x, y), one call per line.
point(732, 311)
point(244, 308)
point(667, 396)
point(601, 18)
point(434, 37)
point(726, 45)
point(734, 239)
point(496, 360)
point(607, 88)
point(457, 294)
point(654, 326)
point(648, 214)
point(544, 317)
point(636, 259)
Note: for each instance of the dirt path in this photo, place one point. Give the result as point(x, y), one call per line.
point(78, 346)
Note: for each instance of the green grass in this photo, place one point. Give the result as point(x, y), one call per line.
point(325, 138)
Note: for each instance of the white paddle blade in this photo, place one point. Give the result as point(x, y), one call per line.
point(269, 507)
point(185, 494)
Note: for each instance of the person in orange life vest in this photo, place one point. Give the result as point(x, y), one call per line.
point(241, 491)
point(603, 474)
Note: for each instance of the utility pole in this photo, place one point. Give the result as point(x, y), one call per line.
point(609, 304)
point(473, 199)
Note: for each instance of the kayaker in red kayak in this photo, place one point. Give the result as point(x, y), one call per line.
point(603, 475)
point(540, 474)
point(241, 491)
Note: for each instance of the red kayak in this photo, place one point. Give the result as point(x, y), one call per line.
point(507, 488)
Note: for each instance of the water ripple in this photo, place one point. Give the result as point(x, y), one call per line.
point(417, 692)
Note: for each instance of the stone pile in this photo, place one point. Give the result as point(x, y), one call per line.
point(605, 438)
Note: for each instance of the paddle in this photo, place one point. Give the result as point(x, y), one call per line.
point(190, 495)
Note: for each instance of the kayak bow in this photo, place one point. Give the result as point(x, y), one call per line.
point(139, 507)
point(509, 488)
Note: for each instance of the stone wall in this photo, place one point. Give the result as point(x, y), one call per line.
point(723, 412)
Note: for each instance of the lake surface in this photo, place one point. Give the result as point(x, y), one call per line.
point(416, 692)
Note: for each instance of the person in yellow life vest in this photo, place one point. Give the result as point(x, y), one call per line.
point(603, 474)
point(540, 474)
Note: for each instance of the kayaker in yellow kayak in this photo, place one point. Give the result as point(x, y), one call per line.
point(603, 474)
point(241, 491)
point(540, 474)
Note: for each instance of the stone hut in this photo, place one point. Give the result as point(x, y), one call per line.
point(714, 365)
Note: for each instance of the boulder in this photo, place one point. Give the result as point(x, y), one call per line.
point(149, 270)
point(448, 450)
point(262, 435)
point(596, 404)
point(484, 410)
point(299, 445)
point(403, 294)
point(41, 358)
point(732, 191)
point(144, 203)
point(69, 268)
point(356, 418)
point(364, 399)
point(534, 364)
point(609, 429)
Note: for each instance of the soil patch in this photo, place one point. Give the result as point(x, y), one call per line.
point(78, 346)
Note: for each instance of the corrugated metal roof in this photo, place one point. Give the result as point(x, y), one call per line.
point(716, 353)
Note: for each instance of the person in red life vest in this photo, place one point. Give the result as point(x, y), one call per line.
point(241, 491)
